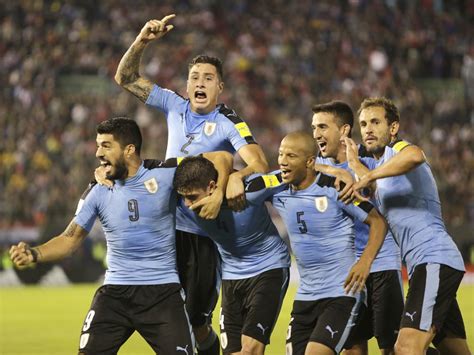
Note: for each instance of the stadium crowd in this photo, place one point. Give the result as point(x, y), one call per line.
point(57, 61)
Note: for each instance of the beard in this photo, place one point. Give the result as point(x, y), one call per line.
point(121, 170)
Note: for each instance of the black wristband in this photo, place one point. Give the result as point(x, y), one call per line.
point(34, 254)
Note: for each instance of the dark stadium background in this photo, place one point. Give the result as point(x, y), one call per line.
point(58, 59)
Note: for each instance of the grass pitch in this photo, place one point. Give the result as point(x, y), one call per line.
point(47, 320)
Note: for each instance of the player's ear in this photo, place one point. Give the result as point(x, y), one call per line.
point(211, 187)
point(310, 162)
point(221, 87)
point(345, 130)
point(394, 127)
point(129, 150)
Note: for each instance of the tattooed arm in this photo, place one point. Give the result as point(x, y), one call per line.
point(57, 248)
point(128, 71)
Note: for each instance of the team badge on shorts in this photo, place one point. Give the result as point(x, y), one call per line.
point(151, 185)
point(209, 128)
point(321, 203)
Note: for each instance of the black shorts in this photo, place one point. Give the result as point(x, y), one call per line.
point(431, 301)
point(384, 310)
point(157, 312)
point(251, 307)
point(200, 275)
point(327, 321)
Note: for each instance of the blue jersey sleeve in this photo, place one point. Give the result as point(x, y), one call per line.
point(163, 99)
point(358, 210)
point(237, 129)
point(260, 187)
point(87, 208)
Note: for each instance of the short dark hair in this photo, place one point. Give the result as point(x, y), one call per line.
point(340, 110)
point(391, 110)
point(124, 130)
point(194, 173)
point(209, 60)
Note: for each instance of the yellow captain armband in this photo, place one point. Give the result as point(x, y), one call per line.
point(400, 145)
point(356, 202)
point(270, 180)
point(179, 160)
point(243, 129)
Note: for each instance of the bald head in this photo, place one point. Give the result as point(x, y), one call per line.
point(302, 142)
point(296, 159)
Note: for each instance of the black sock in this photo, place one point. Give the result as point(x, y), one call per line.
point(210, 346)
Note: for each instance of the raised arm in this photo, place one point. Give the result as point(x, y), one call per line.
point(360, 271)
point(57, 248)
point(254, 157)
point(128, 71)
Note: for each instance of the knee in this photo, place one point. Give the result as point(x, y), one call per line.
point(252, 347)
point(404, 346)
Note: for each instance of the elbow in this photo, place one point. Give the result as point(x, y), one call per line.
point(119, 78)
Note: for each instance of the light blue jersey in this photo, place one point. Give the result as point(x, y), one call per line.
point(321, 231)
point(248, 241)
point(388, 257)
point(138, 218)
point(190, 133)
point(411, 205)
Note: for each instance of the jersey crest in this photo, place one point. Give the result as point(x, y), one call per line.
point(321, 203)
point(209, 128)
point(151, 185)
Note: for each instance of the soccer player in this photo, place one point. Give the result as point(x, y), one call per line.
point(196, 125)
point(320, 228)
point(255, 261)
point(141, 289)
point(407, 196)
point(331, 122)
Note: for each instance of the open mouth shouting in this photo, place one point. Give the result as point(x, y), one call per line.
point(200, 96)
point(322, 146)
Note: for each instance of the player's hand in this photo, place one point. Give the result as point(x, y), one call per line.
point(155, 29)
point(363, 183)
point(101, 177)
point(343, 183)
point(358, 274)
point(352, 150)
point(21, 255)
point(209, 206)
point(235, 193)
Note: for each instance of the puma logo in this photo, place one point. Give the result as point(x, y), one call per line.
point(185, 349)
point(262, 328)
point(410, 315)
point(328, 328)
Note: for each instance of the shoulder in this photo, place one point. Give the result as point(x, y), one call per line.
point(263, 181)
point(399, 145)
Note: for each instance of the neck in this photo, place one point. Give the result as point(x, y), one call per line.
point(306, 182)
point(341, 155)
point(133, 165)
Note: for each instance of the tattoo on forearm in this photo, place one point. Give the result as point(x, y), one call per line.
point(70, 230)
point(129, 73)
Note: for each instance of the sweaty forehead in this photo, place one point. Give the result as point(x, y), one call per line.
point(372, 112)
point(105, 138)
point(203, 68)
point(323, 118)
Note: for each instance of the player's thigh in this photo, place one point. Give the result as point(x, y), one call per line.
point(231, 317)
point(199, 270)
point(336, 322)
point(106, 326)
point(387, 306)
point(161, 319)
point(262, 304)
point(302, 322)
point(452, 335)
point(432, 290)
